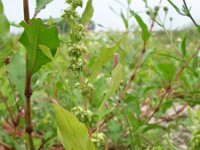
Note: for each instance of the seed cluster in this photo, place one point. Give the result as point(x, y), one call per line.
point(76, 33)
point(85, 116)
point(75, 48)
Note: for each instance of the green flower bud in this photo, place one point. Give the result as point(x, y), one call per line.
point(98, 138)
point(82, 115)
point(165, 9)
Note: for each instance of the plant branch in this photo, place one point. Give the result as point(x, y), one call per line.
point(189, 14)
point(169, 88)
point(8, 109)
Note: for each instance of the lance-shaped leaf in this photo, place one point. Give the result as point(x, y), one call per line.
point(115, 81)
point(4, 24)
point(145, 32)
point(72, 133)
point(36, 34)
point(106, 55)
point(41, 4)
point(16, 73)
point(88, 12)
point(124, 19)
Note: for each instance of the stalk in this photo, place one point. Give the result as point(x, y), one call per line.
point(28, 90)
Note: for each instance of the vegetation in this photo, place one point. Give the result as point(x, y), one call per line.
point(86, 90)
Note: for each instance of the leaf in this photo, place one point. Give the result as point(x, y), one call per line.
point(133, 104)
point(198, 28)
point(72, 133)
point(113, 86)
point(34, 35)
point(46, 51)
point(16, 73)
point(175, 7)
point(4, 24)
point(183, 46)
point(167, 70)
point(195, 60)
point(41, 4)
point(124, 20)
point(106, 55)
point(151, 127)
point(5, 39)
point(145, 32)
point(88, 12)
point(129, 1)
point(191, 116)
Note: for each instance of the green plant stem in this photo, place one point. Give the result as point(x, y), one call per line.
point(188, 13)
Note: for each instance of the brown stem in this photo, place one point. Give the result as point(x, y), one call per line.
point(135, 70)
point(26, 11)
point(28, 91)
point(28, 119)
point(171, 117)
point(8, 108)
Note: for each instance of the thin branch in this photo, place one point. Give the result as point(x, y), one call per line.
point(189, 14)
point(8, 108)
point(169, 88)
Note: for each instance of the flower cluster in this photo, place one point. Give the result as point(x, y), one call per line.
point(76, 33)
point(98, 139)
point(86, 89)
point(85, 116)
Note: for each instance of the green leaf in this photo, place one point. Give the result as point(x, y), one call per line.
point(4, 24)
point(46, 51)
point(183, 46)
point(88, 12)
point(198, 28)
point(124, 20)
point(16, 73)
point(133, 104)
point(145, 32)
point(167, 70)
point(41, 4)
point(34, 35)
point(195, 60)
point(175, 7)
point(106, 55)
point(113, 86)
point(72, 133)
point(5, 39)
point(191, 116)
point(129, 1)
point(151, 127)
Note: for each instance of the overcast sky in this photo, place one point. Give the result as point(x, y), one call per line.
point(103, 14)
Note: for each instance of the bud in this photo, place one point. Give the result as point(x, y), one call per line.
point(98, 138)
point(165, 9)
point(7, 60)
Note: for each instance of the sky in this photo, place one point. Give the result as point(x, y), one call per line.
point(103, 14)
